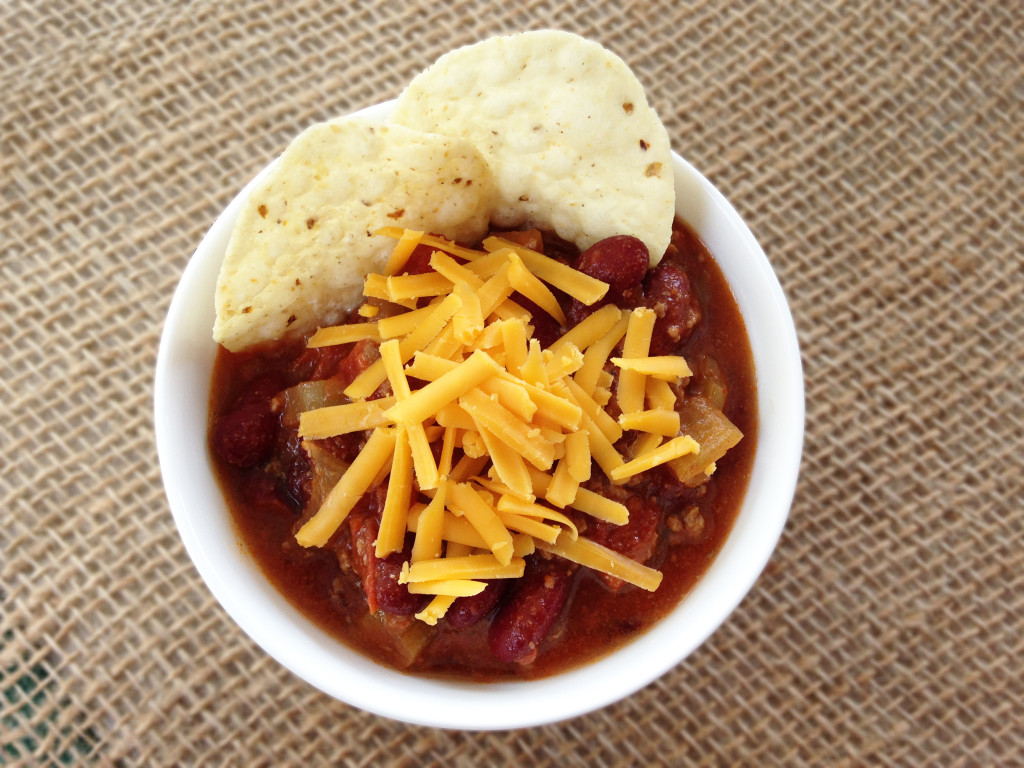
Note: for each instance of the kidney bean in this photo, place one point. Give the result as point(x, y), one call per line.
point(527, 615)
point(669, 294)
point(380, 575)
point(392, 597)
point(419, 261)
point(245, 436)
point(621, 261)
point(260, 390)
point(467, 611)
point(576, 311)
point(636, 539)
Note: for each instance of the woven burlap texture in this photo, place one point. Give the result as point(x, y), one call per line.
point(875, 148)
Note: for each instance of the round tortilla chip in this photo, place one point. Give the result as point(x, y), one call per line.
point(567, 132)
point(304, 241)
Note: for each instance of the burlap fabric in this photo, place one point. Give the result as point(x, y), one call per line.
point(875, 148)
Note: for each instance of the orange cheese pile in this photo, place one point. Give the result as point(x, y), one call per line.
point(529, 421)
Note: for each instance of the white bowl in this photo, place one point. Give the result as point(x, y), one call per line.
point(182, 386)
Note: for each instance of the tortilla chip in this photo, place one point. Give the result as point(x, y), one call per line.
point(566, 130)
point(303, 242)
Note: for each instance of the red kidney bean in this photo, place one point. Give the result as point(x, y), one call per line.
point(245, 437)
point(380, 575)
point(260, 390)
point(467, 611)
point(621, 261)
point(527, 615)
point(419, 261)
point(669, 294)
point(637, 539)
point(392, 597)
point(576, 311)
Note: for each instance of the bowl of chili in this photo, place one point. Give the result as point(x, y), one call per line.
point(230, 566)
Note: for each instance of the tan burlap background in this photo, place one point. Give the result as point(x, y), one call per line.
point(875, 148)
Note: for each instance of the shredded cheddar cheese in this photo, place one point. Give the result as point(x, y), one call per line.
point(658, 422)
point(343, 334)
point(531, 423)
point(343, 419)
point(407, 242)
point(468, 567)
point(396, 508)
point(448, 587)
point(350, 488)
point(636, 345)
point(670, 450)
point(666, 368)
point(430, 532)
point(436, 608)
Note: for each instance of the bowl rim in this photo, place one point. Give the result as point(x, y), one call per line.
point(237, 583)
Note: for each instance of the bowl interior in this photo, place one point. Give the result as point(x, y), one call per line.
point(183, 374)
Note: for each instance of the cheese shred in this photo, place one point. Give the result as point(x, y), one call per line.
point(531, 423)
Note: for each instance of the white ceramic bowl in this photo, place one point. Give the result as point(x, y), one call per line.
point(182, 387)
